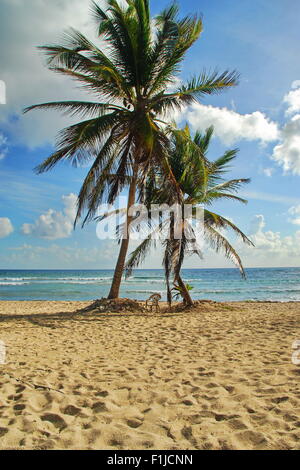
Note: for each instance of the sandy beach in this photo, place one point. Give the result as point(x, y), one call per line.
point(219, 377)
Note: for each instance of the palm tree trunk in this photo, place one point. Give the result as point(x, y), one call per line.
point(185, 293)
point(116, 282)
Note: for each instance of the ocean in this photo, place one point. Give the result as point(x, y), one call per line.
point(280, 284)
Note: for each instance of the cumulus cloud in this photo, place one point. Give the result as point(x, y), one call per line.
point(24, 26)
point(287, 152)
point(294, 211)
point(257, 224)
point(6, 227)
point(295, 84)
point(54, 256)
point(271, 248)
point(54, 224)
point(231, 126)
point(293, 101)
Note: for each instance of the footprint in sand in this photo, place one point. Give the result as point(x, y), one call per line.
point(55, 419)
point(99, 407)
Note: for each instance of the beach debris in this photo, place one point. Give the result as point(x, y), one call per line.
point(33, 385)
point(115, 306)
point(125, 305)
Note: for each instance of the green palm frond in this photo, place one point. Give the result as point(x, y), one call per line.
point(212, 219)
point(103, 183)
point(210, 197)
point(96, 177)
point(230, 185)
point(73, 108)
point(208, 83)
point(138, 255)
point(77, 143)
point(188, 31)
point(203, 140)
point(219, 243)
point(222, 163)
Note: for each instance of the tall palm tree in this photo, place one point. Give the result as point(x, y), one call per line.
point(201, 182)
point(129, 73)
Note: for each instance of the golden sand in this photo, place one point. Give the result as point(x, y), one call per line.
point(220, 377)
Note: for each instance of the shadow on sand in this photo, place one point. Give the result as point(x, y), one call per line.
point(85, 314)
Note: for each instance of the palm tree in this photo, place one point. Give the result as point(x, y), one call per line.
point(201, 182)
point(129, 74)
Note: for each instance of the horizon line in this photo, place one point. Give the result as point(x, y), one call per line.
point(143, 269)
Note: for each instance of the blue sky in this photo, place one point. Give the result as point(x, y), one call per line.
point(261, 117)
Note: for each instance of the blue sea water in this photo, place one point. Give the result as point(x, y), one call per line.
point(280, 284)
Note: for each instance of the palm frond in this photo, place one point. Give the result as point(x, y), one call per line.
point(219, 243)
point(105, 182)
point(207, 84)
point(97, 176)
point(138, 255)
point(77, 143)
point(188, 31)
point(231, 185)
point(212, 196)
point(72, 108)
point(216, 220)
point(105, 85)
point(203, 141)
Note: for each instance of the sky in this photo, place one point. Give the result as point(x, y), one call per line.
point(261, 116)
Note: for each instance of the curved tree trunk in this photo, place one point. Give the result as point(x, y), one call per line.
point(116, 282)
point(185, 293)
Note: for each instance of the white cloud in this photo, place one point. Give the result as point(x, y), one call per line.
point(24, 26)
point(268, 172)
point(295, 84)
point(257, 224)
point(231, 126)
point(6, 227)
point(55, 256)
point(295, 212)
point(271, 248)
point(54, 224)
point(292, 99)
point(287, 152)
